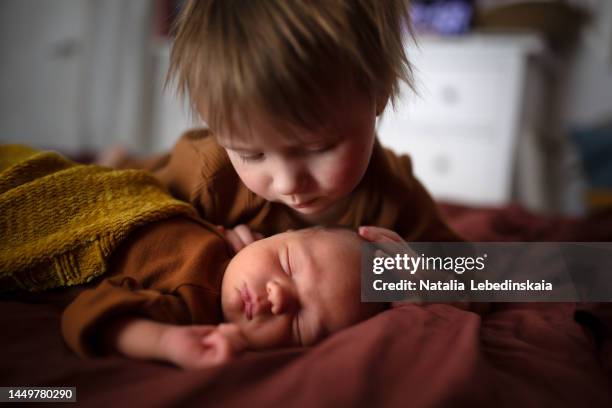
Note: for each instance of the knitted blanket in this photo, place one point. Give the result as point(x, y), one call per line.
point(60, 221)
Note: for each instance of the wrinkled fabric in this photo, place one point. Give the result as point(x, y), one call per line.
point(530, 354)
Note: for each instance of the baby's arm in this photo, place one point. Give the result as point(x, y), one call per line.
point(190, 347)
point(194, 346)
point(169, 271)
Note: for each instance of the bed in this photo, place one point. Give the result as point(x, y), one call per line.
point(530, 354)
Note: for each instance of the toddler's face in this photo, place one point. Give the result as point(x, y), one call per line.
point(293, 289)
point(311, 171)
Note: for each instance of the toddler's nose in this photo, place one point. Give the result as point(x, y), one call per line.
point(287, 184)
point(290, 179)
point(281, 298)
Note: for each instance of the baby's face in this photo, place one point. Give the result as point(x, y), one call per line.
point(309, 170)
point(293, 289)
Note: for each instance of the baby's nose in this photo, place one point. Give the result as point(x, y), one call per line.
point(281, 298)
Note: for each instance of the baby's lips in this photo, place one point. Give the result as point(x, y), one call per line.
point(253, 304)
point(247, 303)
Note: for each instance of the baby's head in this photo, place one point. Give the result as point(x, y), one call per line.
point(295, 288)
point(292, 89)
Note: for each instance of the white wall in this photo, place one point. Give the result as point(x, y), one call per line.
point(74, 74)
point(78, 74)
point(170, 116)
point(590, 88)
point(118, 77)
point(590, 80)
point(42, 48)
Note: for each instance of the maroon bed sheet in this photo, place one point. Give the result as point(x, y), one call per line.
point(528, 354)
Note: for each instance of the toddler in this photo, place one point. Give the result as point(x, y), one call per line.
point(290, 92)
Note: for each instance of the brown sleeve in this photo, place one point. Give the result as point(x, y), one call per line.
point(198, 171)
point(419, 218)
point(169, 271)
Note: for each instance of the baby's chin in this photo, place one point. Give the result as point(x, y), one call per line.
point(228, 315)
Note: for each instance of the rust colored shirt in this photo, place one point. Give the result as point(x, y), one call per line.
point(171, 271)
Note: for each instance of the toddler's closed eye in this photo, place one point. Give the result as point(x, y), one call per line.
point(250, 158)
point(321, 148)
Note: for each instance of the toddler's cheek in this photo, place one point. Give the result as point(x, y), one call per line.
point(254, 183)
point(343, 177)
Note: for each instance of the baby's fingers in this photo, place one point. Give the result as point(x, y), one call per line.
point(202, 329)
point(234, 336)
point(217, 349)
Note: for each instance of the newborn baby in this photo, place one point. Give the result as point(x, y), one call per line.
point(291, 289)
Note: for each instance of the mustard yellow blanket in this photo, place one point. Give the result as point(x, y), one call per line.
point(60, 221)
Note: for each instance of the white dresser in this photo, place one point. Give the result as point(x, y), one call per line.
point(478, 104)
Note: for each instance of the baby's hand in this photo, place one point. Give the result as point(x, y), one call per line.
point(194, 347)
point(240, 236)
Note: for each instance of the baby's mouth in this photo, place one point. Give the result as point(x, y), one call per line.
point(253, 305)
point(248, 302)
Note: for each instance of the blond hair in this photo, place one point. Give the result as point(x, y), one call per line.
point(283, 56)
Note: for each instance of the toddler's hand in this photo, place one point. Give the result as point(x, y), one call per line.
point(194, 347)
point(378, 234)
point(240, 236)
point(112, 156)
